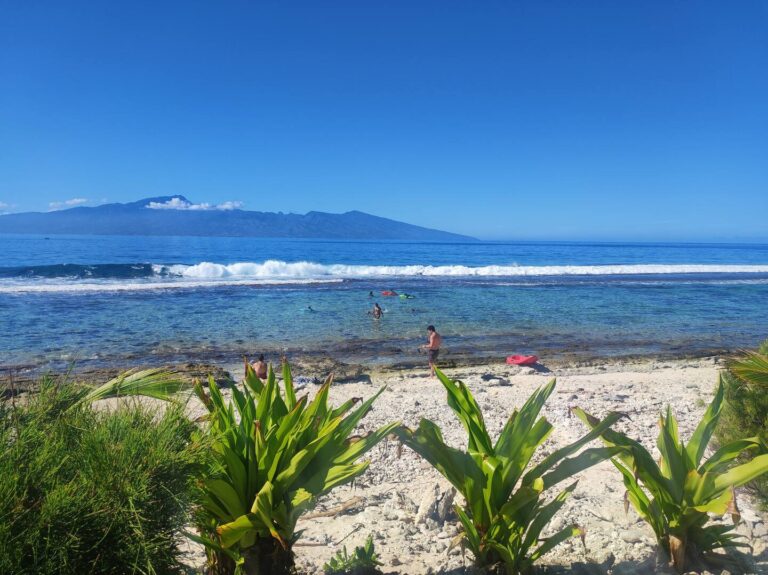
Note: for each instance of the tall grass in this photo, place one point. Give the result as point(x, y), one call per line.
point(85, 491)
point(745, 413)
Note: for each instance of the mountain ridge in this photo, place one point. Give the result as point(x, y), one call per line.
point(177, 216)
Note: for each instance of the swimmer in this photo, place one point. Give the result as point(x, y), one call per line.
point(376, 312)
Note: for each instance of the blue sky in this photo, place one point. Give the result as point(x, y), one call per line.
point(521, 120)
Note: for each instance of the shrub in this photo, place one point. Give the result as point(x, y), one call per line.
point(84, 491)
point(363, 561)
point(274, 454)
point(745, 412)
point(505, 510)
point(676, 495)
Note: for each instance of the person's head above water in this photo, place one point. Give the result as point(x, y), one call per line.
point(430, 328)
point(261, 357)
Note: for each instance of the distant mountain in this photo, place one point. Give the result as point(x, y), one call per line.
point(177, 216)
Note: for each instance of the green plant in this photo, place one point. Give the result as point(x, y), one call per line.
point(752, 367)
point(363, 561)
point(745, 411)
point(274, 455)
point(87, 491)
point(156, 383)
point(505, 512)
point(676, 495)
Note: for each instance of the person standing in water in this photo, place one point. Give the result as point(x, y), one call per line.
point(261, 368)
point(376, 312)
point(432, 346)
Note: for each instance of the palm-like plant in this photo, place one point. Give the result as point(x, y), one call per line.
point(273, 456)
point(745, 411)
point(675, 495)
point(504, 512)
point(156, 382)
point(752, 368)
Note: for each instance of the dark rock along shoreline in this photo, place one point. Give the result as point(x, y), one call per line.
point(15, 379)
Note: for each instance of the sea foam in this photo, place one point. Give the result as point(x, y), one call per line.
point(139, 277)
point(311, 270)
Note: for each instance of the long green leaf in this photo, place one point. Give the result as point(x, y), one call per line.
point(567, 468)
point(549, 461)
point(751, 369)
point(742, 474)
point(554, 540)
point(697, 445)
point(729, 452)
point(156, 383)
point(545, 515)
point(290, 393)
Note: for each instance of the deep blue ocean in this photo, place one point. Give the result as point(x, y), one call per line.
point(122, 300)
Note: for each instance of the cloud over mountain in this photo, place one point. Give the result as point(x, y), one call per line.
point(177, 203)
point(53, 206)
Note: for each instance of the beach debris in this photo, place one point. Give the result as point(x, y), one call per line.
point(436, 505)
point(348, 505)
point(428, 503)
point(494, 379)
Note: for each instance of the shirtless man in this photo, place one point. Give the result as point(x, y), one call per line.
point(261, 368)
point(433, 346)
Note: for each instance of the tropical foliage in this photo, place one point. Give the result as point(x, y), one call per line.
point(363, 561)
point(274, 455)
point(675, 495)
point(156, 383)
point(745, 412)
point(505, 509)
point(87, 491)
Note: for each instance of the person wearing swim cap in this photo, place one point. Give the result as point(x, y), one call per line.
point(432, 346)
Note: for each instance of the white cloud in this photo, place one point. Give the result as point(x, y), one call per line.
point(230, 206)
point(53, 206)
point(179, 204)
point(3, 205)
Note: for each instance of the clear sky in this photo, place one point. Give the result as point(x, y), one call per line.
point(643, 120)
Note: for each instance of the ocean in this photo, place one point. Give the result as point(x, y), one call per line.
point(119, 301)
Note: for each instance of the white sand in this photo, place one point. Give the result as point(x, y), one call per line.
point(386, 500)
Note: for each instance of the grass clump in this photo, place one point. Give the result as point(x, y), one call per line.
point(87, 491)
point(745, 413)
point(362, 561)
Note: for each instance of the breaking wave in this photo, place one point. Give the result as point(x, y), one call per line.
point(311, 270)
point(145, 276)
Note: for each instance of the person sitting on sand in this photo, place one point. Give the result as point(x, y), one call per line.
point(376, 312)
point(432, 346)
point(261, 368)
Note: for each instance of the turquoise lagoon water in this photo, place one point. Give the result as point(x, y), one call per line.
point(120, 300)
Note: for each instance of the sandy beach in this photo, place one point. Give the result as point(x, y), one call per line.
point(406, 505)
